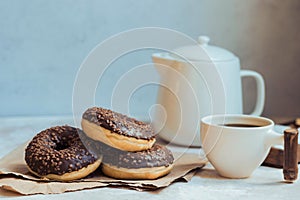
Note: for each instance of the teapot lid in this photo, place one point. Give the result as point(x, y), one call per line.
point(193, 52)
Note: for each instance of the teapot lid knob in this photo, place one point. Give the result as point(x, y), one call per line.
point(203, 40)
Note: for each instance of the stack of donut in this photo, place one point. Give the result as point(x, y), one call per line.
point(125, 147)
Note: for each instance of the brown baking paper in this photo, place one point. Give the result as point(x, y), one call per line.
point(14, 176)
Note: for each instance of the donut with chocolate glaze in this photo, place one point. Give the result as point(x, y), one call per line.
point(148, 164)
point(117, 130)
point(57, 153)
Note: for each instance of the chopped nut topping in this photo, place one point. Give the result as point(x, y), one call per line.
point(119, 123)
point(54, 151)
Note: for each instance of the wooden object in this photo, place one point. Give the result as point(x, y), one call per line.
point(290, 164)
point(275, 156)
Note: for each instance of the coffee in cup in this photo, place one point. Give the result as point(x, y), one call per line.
point(237, 144)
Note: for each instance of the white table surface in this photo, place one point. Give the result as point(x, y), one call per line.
point(265, 183)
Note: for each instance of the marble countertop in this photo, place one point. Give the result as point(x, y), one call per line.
point(265, 183)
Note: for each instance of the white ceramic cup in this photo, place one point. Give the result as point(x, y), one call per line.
point(235, 152)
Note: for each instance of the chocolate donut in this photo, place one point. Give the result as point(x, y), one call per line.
point(148, 164)
point(57, 153)
point(117, 130)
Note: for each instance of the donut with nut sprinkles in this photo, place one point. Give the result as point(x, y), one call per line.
point(57, 153)
point(117, 130)
point(148, 164)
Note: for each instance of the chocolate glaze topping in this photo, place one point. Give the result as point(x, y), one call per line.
point(58, 150)
point(119, 123)
point(155, 157)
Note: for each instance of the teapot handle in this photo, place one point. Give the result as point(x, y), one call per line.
point(260, 98)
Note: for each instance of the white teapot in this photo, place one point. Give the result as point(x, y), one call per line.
point(196, 81)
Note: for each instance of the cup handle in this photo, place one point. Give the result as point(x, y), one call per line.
point(290, 162)
point(260, 98)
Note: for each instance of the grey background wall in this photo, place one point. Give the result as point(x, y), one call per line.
point(42, 44)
